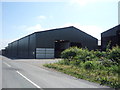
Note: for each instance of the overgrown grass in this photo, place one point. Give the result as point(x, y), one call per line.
point(95, 66)
point(102, 77)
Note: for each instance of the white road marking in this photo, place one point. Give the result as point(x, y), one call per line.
point(28, 79)
point(7, 64)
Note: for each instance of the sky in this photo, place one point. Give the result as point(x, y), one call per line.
point(22, 18)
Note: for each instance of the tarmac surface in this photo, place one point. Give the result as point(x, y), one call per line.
point(29, 73)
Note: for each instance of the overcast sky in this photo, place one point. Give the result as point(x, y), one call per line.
point(91, 16)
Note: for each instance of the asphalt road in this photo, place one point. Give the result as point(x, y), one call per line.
point(22, 74)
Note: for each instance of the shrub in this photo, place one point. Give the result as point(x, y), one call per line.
point(114, 54)
point(114, 69)
point(89, 65)
point(76, 61)
point(61, 62)
point(69, 53)
point(75, 56)
point(98, 54)
point(85, 55)
point(106, 63)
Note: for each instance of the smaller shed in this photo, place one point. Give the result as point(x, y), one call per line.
point(111, 36)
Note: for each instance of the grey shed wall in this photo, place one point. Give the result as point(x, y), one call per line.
point(26, 46)
point(23, 48)
point(14, 49)
point(112, 35)
point(32, 45)
point(46, 39)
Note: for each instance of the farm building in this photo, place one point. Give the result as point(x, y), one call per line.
point(111, 36)
point(50, 43)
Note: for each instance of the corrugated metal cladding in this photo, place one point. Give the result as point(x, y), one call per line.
point(22, 48)
point(112, 35)
point(50, 43)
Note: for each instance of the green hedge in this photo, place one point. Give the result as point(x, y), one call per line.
point(76, 55)
point(108, 62)
point(101, 67)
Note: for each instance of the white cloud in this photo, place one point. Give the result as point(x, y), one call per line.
point(28, 29)
point(34, 28)
point(86, 2)
point(4, 42)
point(41, 17)
point(90, 29)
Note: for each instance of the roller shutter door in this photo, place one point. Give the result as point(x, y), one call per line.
point(43, 53)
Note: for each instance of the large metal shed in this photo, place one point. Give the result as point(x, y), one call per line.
point(111, 36)
point(50, 43)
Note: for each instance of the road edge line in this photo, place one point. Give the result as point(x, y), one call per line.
point(7, 64)
point(28, 79)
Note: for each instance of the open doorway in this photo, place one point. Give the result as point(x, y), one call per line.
point(61, 45)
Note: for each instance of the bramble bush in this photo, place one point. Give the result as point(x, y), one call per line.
point(69, 53)
point(76, 55)
point(99, 66)
point(89, 65)
point(105, 62)
point(114, 54)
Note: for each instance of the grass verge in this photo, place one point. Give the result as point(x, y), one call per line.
point(103, 77)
